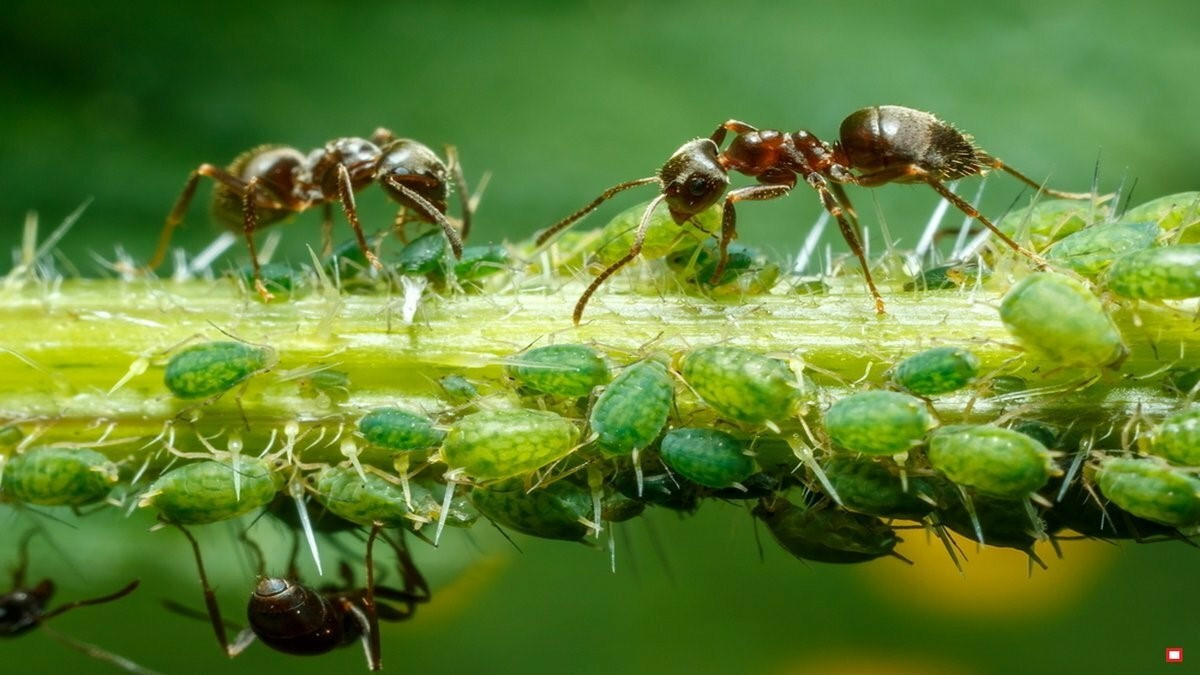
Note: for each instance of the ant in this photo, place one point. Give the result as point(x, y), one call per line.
point(266, 184)
point(23, 608)
point(293, 618)
point(885, 144)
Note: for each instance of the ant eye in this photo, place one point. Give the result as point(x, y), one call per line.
point(698, 187)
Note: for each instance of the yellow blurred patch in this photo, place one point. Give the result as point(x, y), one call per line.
point(875, 664)
point(455, 597)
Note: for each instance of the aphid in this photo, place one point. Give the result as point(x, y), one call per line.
point(399, 430)
point(1089, 252)
point(329, 386)
point(557, 511)
point(204, 491)
point(1060, 318)
point(58, 477)
point(459, 389)
point(944, 277)
point(476, 263)
point(1150, 489)
point(662, 237)
point(885, 144)
point(1080, 510)
point(1008, 523)
point(23, 608)
point(265, 185)
point(1178, 214)
point(1177, 439)
point(878, 422)
point(213, 368)
point(874, 487)
point(706, 456)
point(280, 280)
point(10, 436)
point(560, 370)
point(745, 274)
point(293, 618)
point(370, 498)
point(505, 443)
point(993, 460)
point(1164, 273)
point(742, 385)
point(936, 371)
point(826, 534)
point(1050, 220)
point(1043, 433)
point(1182, 380)
point(632, 410)
point(654, 485)
point(459, 511)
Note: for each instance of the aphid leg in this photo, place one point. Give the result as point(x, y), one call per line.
point(430, 212)
point(729, 218)
point(346, 195)
point(595, 203)
point(185, 199)
point(849, 232)
point(326, 230)
point(244, 638)
point(460, 185)
point(995, 163)
point(639, 238)
point(250, 219)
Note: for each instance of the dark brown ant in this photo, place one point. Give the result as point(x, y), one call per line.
point(885, 144)
point(23, 608)
point(293, 618)
point(266, 184)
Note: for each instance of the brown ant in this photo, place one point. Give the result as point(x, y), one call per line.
point(885, 144)
point(23, 608)
point(266, 184)
point(293, 618)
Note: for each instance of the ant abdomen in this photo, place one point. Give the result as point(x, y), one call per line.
point(885, 137)
point(295, 619)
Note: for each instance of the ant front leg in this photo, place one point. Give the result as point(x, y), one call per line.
point(346, 194)
point(430, 212)
point(175, 217)
point(326, 230)
point(849, 231)
point(729, 218)
point(735, 126)
point(639, 238)
point(250, 220)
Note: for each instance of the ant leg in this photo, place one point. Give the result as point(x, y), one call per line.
point(185, 199)
point(97, 653)
point(374, 648)
point(18, 574)
point(210, 601)
point(638, 239)
point(430, 212)
point(250, 219)
point(995, 163)
point(126, 590)
point(849, 233)
point(460, 184)
point(729, 218)
point(346, 194)
point(327, 230)
point(592, 206)
point(735, 126)
point(400, 223)
point(965, 206)
point(415, 587)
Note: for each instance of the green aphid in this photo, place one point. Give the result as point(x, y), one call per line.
point(10, 436)
point(1182, 380)
point(505, 443)
point(1164, 273)
point(742, 385)
point(58, 477)
point(706, 456)
point(1149, 489)
point(343, 491)
point(1080, 509)
point(1050, 220)
point(462, 512)
point(204, 492)
point(936, 371)
point(347, 263)
point(1178, 214)
point(658, 487)
point(1177, 439)
point(400, 430)
point(632, 410)
point(617, 508)
point(422, 255)
point(1089, 252)
point(458, 389)
point(874, 487)
point(561, 370)
point(745, 273)
point(1060, 318)
point(557, 511)
point(946, 277)
point(1041, 432)
point(878, 422)
point(333, 384)
point(993, 460)
point(662, 235)
point(478, 262)
point(828, 535)
point(1002, 385)
point(280, 279)
point(1003, 522)
point(214, 368)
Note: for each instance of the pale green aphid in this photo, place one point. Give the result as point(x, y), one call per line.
point(878, 422)
point(214, 368)
point(369, 498)
point(204, 492)
point(1177, 439)
point(993, 460)
point(562, 370)
point(742, 385)
point(1152, 490)
point(58, 477)
point(828, 535)
point(867, 485)
point(936, 371)
point(400, 430)
point(505, 443)
point(1089, 252)
point(10, 436)
point(1178, 214)
point(557, 511)
point(458, 389)
point(1060, 318)
point(1164, 273)
point(280, 279)
point(632, 410)
point(1050, 220)
point(662, 236)
point(706, 456)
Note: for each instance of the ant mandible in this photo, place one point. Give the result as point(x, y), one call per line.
point(293, 618)
point(885, 144)
point(266, 184)
point(23, 608)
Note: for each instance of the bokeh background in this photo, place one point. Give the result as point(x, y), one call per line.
point(559, 100)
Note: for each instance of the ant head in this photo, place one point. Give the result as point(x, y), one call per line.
point(415, 168)
point(358, 155)
point(22, 608)
point(693, 179)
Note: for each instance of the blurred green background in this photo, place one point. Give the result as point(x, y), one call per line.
point(559, 101)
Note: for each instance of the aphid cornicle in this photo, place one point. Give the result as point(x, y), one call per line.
point(58, 477)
